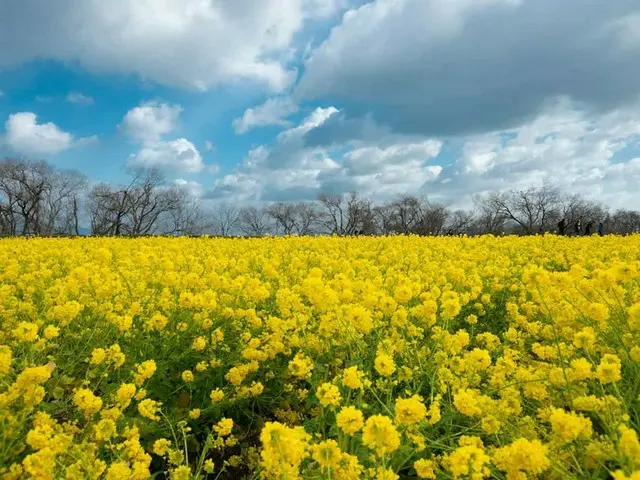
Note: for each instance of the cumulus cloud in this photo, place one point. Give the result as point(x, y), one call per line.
point(564, 145)
point(292, 170)
point(193, 187)
point(190, 43)
point(26, 136)
point(79, 98)
point(149, 124)
point(178, 155)
point(272, 112)
point(454, 67)
point(385, 172)
point(150, 121)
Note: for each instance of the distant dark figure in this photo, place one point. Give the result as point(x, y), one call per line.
point(601, 229)
point(578, 227)
point(588, 228)
point(562, 225)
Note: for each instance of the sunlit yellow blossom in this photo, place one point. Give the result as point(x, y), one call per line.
point(350, 420)
point(181, 473)
point(161, 446)
point(105, 429)
point(327, 454)
point(216, 395)
point(283, 449)
point(467, 461)
point(149, 409)
point(380, 435)
point(384, 364)
point(98, 356)
point(300, 366)
point(522, 456)
point(629, 444)
point(425, 468)
point(352, 378)
point(328, 394)
point(224, 427)
point(410, 410)
point(51, 331)
point(6, 357)
point(144, 371)
point(87, 402)
point(125, 393)
point(609, 369)
point(118, 471)
point(568, 426)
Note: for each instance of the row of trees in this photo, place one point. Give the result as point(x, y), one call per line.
point(37, 199)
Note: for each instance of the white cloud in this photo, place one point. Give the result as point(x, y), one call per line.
point(25, 135)
point(178, 155)
point(191, 43)
point(272, 112)
point(363, 161)
point(571, 147)
point(149, 124)
point(291, 170)
point(194, 188)
point(579, 152)
point(79, 98)
point(208, 146)
point(150, 121)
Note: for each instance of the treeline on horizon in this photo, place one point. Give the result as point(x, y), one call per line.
point(38, 199)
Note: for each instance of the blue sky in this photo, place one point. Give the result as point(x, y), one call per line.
point(249, 100)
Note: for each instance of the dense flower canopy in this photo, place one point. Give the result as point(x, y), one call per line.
point(342, 358)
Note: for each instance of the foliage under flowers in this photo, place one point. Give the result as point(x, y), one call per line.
point(387, 358)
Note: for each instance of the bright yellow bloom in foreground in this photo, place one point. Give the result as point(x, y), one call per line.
point(380, 435)
point(350, 420)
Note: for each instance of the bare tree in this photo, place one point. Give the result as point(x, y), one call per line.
point(253, 221)
point(9, 211)
point(23, 184)
point(61, 203)
point(576, 210)
point(407, 211)
point(134, 209)
point(490, 217)
point(224, 219)
point(186, 216)
point(623, 222)
point(533, 210)
point(284, 216)
point(431, 220)
point(347, 215)
point(385, 218)
point(148, 199)
point(460, 221)
point(108, 207)
point(307, 217)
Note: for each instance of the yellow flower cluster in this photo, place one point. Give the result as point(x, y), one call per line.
point(342, 358)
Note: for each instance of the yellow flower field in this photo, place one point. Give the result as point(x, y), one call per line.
point(381, 358)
